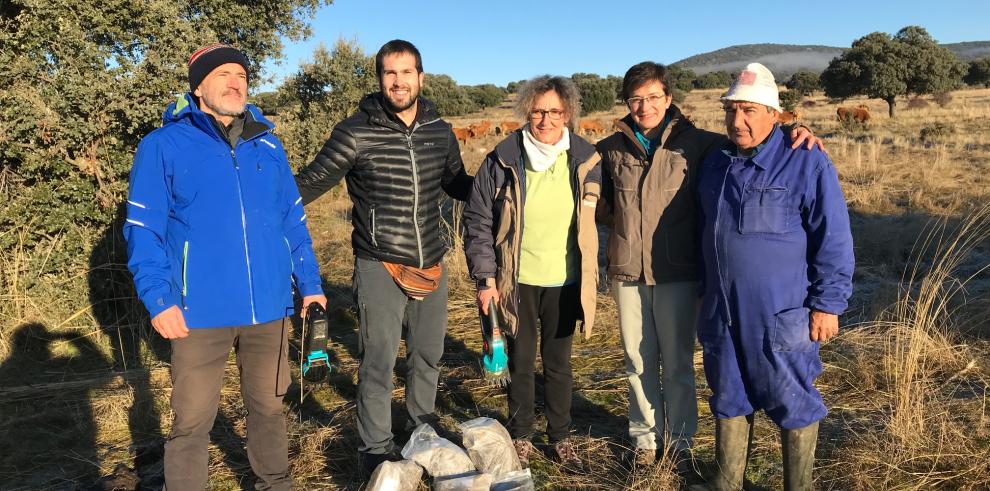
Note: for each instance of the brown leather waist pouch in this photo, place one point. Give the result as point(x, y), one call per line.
point(417, 283)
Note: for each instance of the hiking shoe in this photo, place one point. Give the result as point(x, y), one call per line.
point(524, 448)
point(644, 457)
point(371, 461)
point(567, 454)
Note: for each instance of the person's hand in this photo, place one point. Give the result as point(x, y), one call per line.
point(170, 323)
point(308, 299)
point(823, 326)
point(802, 135)
point(484, 296)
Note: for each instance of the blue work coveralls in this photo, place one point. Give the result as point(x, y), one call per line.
point(775, 244)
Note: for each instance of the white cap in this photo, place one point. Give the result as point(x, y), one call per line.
point(755, 84)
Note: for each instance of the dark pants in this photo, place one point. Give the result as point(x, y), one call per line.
point(384, 311)
point(198, 363)
point(556, 309)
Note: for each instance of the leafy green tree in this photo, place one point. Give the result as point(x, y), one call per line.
point(883, 67)
point(320, 94)
point(804, 82)
point(451, 99)
point(597, 94)
point(513, 87)
point(681, 78)
point(713, 80)
point(82, 83)
point(486, 95)
point(978, 73)
point(789, 99)
point(616, 82)
point(266, 101)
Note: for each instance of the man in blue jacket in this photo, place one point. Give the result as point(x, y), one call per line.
point(777, 272)
point(216, 239)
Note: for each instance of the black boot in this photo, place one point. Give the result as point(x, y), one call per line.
point(798, 447)
point(733, 437)
point(371, 461)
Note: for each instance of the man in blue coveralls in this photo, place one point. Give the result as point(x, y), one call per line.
point(777, 272)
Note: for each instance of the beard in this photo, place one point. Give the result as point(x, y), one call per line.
point(397, 106)
point(223, 107)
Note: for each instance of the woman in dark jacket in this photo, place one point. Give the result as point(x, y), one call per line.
point(532, 248)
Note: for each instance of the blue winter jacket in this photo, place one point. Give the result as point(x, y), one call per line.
point(218, 231)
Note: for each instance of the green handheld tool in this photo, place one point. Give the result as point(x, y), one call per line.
point(495, 361)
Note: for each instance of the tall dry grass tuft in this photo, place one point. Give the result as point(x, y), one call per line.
point(932, 422)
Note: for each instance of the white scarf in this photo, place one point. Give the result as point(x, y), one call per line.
point(540, 156)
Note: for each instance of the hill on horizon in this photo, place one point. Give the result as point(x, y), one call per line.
point(785, 59)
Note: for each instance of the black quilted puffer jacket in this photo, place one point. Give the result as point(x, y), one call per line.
point(394, 176)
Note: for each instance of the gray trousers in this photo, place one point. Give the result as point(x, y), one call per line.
point(384, 312)
point(198, 362)
point(657, 324)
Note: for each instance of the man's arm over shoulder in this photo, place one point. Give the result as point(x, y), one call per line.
point(455, 181)
point(149, 201)
point(305, 269)
point(830, 246)
point(330, 165)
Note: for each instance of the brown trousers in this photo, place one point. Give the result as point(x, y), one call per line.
point(198, 363)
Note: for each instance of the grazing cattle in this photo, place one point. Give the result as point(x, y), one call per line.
point(506, 127)
point(484, 128)
point(789, 116)
point(591, 127)
point(860, 114)
point(462, 135)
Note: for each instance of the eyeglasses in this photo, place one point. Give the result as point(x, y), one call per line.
point(553, 114)
point(652, 100)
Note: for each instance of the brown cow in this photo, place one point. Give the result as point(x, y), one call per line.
point(789, 116)
point(506, 127)
point(484, 128)
point(591, 127)
point(462, 135)
point(860, 114)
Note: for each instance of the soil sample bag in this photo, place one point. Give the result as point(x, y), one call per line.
point(395, 476)
point(490, 447)
point(439, 456)
point(470, 482)
point(514, 481)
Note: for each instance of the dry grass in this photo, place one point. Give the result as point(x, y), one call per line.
point(906, 380)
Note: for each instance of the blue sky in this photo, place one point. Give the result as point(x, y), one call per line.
point(503, 40)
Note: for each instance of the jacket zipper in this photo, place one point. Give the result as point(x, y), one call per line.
point(718, 264)
point(247, 253)
point(374, 228)
point(185, 265)
point(415, 176)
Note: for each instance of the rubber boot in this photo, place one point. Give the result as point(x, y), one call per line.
point(798, 447)
point(733, 437)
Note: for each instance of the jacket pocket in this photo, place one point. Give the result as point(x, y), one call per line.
point(791, 331)
point(185, 269)
point(505, 216)
point(618, 251)
point(764, 211)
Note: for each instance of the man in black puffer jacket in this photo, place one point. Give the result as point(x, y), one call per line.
point(396, 155)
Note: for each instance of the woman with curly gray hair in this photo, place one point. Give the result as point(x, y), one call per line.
point(532, 249)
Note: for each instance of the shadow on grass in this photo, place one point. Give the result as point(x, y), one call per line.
point(48, 410)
